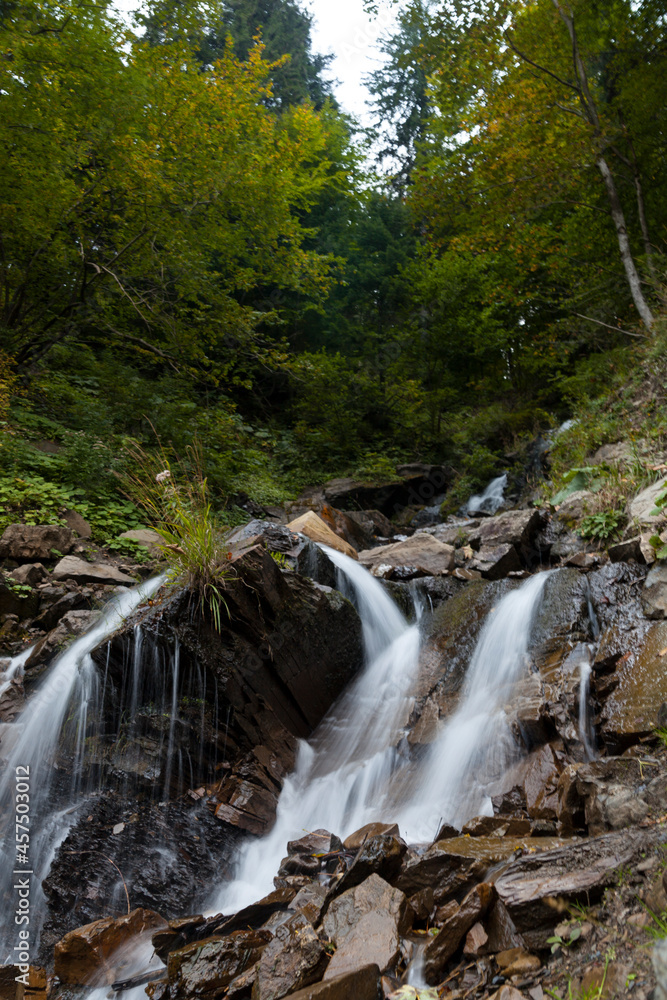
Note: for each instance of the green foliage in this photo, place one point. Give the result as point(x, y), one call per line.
point(177, 503)
point(18, 589)
point(602, 526)
point(556, 941)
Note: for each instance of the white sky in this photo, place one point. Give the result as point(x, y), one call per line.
point(342, 27)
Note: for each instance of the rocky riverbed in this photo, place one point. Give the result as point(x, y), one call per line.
point(190, 736)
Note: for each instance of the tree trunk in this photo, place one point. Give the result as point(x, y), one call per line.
point(624, 244)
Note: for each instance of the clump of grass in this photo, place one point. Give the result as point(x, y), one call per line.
point(176, 500)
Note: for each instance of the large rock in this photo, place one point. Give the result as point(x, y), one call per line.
point(73, 568)
point(203, 969)
point(611, 794)
point(577, 872)
point(654, 594)
point(314, 527)
point(452, 934)
point(71, 625)
point(639, 509)
point(362, 984)
point(365, 924)
point(374, 523)
point(513, 527)
point(294, 959)
point(29, 574)
point(35, 542)
point(417, 488)
point(496, 561)
point(630, 711)
point(426, 554)
point(85, 956)
point(575, 506)
point(380, 855)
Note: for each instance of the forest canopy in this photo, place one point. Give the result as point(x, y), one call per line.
point(198, 243)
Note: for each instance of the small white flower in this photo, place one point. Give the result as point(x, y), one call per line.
point(161, 476)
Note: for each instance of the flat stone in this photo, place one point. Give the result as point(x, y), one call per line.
point(580, 870)
point(365, 924)
point(85, 956)
point(293, 959)
point(517, 962)
point(310, 902)
point(426, 554)
point(362, 984)
point(35, 542)
point(654, 593)
point(73, 568)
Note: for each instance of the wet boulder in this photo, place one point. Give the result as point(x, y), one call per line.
point(630, 711)
point(293, 959)
point(444, 946)
point(496, 561)
point(365, 923)
point(310, 901)
point(85, 955)
point(417, 486)
point(425, 554)
point(374, 523)
point(381, 855)
point(35, 542)
point(359, 837)
point(203, 969)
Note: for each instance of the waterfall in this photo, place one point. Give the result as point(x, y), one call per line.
point(63, 700)
point(343, 775)
point(350, 773)
point(476, 745)
point(491, 499)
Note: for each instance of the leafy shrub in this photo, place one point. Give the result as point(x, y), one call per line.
point(603, 526)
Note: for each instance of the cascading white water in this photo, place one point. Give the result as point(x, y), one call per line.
point(343, 775)
point(491, 499)
point(350, 773)
point(64, 696)
point(476, 745)
point(586, 734)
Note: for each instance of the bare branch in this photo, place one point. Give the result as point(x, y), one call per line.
point(616, 329)
point(542, 69)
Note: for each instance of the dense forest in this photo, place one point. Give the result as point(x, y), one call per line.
point(197, 244)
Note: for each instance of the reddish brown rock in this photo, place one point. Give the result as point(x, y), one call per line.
point(204, 968)
point(541, 783)
point(83, 956)
point(362, 984)
point(356, 839)
point(365, 923)
point(441, 949)
point(293, 959)
point(35, 542)
point(476, 941)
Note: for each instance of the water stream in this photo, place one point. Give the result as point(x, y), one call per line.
point(491, 500)
point(62, 700)
point(351, 772)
